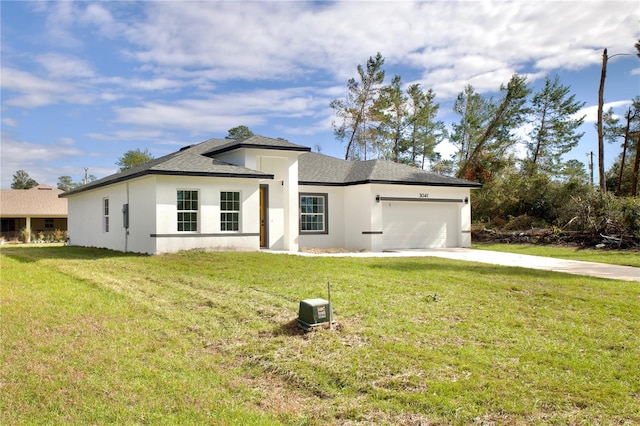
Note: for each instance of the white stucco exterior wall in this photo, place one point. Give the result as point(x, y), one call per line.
point(356, 219)
point(86, 217)
point(209, 235)
point(153, 215)
point(336, 213)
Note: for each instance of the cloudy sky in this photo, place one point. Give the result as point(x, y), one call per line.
point(83, 82)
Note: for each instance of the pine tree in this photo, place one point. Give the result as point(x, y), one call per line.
point(425, 132)
point(239, 133)
point(554, 130)
point(356, 110)
point(22, 180)
point(390, 109)
point(485, 133)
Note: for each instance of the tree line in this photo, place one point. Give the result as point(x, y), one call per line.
point(401, 125)
point(513, 143)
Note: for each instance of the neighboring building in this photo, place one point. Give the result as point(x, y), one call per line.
point(38, 209)
point(260, 192)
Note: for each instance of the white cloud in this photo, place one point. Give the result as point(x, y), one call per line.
point(60, 18)
point(123, 135)
point(216, 112)
point(96, 14)
point(591, 112)
point(66, 67)
point(449, 42)
point(29, 156)
point(8, 121)
point(32, 90)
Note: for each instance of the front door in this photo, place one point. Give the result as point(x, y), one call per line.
point(264, 200)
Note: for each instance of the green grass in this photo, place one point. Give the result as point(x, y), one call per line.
point(94, 336)
point(613, 257)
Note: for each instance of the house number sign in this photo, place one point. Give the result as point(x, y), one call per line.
point(423, 195)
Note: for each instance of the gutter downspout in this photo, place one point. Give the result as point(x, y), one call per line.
point(126, 229)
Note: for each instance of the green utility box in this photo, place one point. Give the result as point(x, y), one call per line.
point(314, 312)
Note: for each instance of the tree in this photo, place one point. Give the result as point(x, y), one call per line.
point(554, 128)
point(239, 133)
point(425, 133)
point(485, 132)
point(356, 110)
point(390, 110)
point(474, 113)
point(621, 176)
point(22, 180)
point(65, 183)
point(574, 170)
point(133, 158)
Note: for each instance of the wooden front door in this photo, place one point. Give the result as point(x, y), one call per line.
point(264, 200)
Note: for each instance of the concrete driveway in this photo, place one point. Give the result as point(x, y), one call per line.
point(575, 267)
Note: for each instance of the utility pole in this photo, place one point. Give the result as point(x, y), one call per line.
point(603, 76)
point(86, 177)
point(590, 154)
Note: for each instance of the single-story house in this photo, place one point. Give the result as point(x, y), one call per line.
point(269, 193)
point(38, 209)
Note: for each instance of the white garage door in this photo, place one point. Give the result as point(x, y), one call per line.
point(408, 225)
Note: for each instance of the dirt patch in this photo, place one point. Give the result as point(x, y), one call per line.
point(316, 250)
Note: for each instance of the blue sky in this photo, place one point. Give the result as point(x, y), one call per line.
point(84, 82)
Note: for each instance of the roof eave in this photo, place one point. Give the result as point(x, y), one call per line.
point(471, 185)
point(256, 146)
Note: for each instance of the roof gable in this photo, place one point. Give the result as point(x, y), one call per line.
point(218, 146)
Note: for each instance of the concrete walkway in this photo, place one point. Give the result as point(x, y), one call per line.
point(600, 270)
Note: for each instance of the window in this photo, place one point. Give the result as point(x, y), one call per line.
point(229, 211)
point(105, 214)
point(187, 211)
point(313, 213)
point(48, 224)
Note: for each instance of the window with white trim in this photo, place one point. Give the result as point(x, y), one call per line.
point(105, 215)
point(187, 206)
point(229, 211)
point(313, 214)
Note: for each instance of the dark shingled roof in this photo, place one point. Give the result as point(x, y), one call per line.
point(217, 146)
point(313, 169)
point(318, 169)
point(195, 160)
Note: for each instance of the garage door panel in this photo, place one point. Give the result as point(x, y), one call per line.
point(419, 225)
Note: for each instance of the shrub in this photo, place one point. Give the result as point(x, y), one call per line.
point(521, 222)
point(25, 234)
point(59, 235)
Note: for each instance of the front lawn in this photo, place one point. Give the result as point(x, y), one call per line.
point(95, 336)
